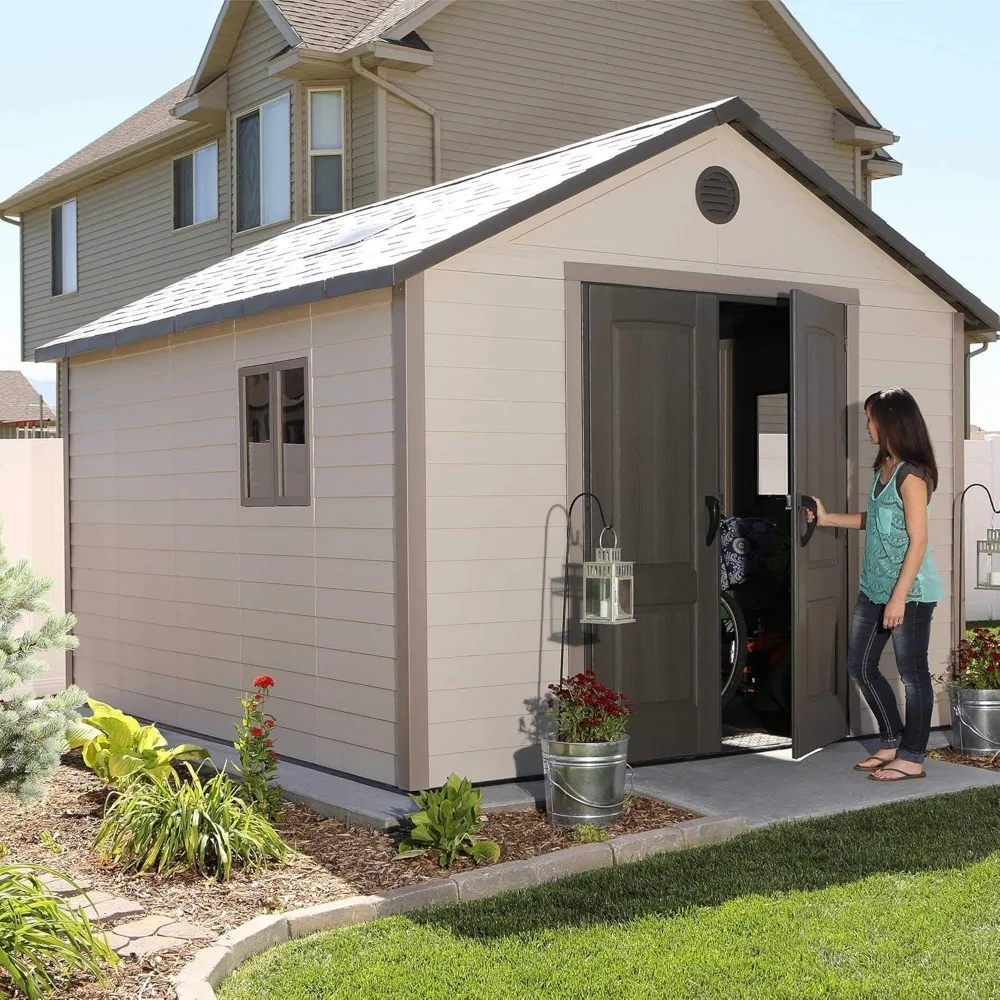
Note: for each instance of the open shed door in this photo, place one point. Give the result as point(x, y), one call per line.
point(819, 561)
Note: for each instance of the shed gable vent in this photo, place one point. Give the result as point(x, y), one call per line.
point(717, 195)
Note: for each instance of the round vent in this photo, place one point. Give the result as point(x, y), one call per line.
point(717, 195)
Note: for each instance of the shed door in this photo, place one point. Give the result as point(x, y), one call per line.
point(819, 564)
point(652, 448)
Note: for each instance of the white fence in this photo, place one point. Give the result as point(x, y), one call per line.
point(32, 509)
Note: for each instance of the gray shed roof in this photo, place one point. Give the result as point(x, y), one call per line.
point(383, 244)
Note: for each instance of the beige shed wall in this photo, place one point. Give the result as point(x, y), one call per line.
point(183, 595)
point(496, 412)
point(514, 77)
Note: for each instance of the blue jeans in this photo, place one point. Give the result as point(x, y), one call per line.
point(910, 641)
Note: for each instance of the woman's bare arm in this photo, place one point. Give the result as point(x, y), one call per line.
point(827, 520)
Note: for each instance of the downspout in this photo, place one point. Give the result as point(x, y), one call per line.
point(969, 355)
point(859, 181)
point(391, 88)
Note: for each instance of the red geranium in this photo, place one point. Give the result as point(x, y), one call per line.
point(257, 760)
point(586, 711)
point(263, 681)
point(976, 661)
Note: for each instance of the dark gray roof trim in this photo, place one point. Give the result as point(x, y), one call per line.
point(399, 262)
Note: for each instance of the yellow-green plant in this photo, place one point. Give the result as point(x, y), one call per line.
point(42, 941)
point(588, 833)
point(118, 749)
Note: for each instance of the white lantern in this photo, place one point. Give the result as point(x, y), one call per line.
point(988, 561)
point(608, 597)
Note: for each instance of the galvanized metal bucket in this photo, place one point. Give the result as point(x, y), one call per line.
point(585, 782)
point(975, 721)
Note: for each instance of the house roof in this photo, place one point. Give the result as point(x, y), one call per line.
point(19, 400)
point(341, 25)
point(385, 243)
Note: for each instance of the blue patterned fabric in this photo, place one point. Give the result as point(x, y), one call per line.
point(752, 550)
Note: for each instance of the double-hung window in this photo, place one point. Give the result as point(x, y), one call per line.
point(274, 433)
point(264, 165)
point(196, 186)
point(326, 151)
point(62, 225)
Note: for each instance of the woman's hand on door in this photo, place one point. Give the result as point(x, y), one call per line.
point(821, 517)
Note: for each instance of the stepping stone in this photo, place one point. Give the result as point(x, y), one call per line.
point(109, 911)
point(60, 887)
point(115, 943)
point(144, 927)
point(79, 902)
point(145, 946)
point(186, 931)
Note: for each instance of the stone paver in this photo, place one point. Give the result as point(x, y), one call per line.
point(79, 902)
point(60, 887)
point(110, 911)
point(186, 931)
point(144, 946)
point(115, 943)
point(144, 927)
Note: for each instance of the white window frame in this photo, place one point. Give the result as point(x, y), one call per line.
point(76, 244)
point(173, 188)
point(234, 141)
point(310, 152)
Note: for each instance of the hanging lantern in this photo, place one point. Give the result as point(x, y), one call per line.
point(607, 586)
point(988, 561)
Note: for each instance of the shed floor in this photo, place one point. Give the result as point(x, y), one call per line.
point(763, 787)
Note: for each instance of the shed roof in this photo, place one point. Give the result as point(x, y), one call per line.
point(383, 244)
point(19, 400)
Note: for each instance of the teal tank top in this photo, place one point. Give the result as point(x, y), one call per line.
point(886, 542)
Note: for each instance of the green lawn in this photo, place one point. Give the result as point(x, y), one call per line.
point(891, 903)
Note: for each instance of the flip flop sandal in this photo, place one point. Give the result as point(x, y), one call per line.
point(904, 775)
point(878, 767)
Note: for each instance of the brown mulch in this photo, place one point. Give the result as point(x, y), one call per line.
point(991, 762)
point(335, 860)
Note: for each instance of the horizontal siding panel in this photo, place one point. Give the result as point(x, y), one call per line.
point(495, 512)
point(496, 449)
point(482, 352)
point(468, 319)
point(488, 669)
point(510, 387)
point(495, 480)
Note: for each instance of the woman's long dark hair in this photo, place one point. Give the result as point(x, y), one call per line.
point(901, 430)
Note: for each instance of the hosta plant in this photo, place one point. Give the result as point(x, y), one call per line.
point(447, 823)
point(43, 943)
point(175, 823)
point(118, 749)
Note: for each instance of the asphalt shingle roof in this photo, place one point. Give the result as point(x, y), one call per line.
point(19, 399)
point(383, 244)
point(340, 25)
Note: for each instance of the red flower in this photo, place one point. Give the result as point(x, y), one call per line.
point(257, 732)
point(269, 723)
point(263, 682)
point(269, 743)
point(272, 755)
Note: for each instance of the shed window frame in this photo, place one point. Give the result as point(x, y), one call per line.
point(61, 252)
point(275, 499)
point(195, 221)
point(313, 152)
point(258, 110)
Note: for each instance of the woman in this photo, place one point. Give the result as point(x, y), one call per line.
point(899, 583)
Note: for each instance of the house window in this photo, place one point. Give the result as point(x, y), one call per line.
point(264, 166)
point(196, 186)
point(62, 220)
point(326, 151)
point(275, 434)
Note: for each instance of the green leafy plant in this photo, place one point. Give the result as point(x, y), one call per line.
point(447, 823)
point(42, 941)
point(258, 758)
point(50, 841)
point(588, 833)
point(118, 749)
point(170, 824)
point(585, 711)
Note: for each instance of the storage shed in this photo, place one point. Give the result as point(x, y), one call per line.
point(343, 456)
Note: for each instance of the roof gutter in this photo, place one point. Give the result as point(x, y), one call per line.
point(6, 218)
point(398, 92)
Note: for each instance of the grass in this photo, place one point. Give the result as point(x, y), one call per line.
point(891, 903)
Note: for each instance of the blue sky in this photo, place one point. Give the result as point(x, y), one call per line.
point(929, 70)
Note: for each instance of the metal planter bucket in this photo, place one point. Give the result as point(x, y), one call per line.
point(975, 721)
point(584, 782)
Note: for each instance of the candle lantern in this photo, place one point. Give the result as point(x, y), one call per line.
point(988, 561)
point(607, 586)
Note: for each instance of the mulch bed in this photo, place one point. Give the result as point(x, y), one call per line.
point(990, 762)
point(335, 860)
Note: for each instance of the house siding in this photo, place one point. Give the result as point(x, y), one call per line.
point(182, 594)
point(127, 247)
point(249, 86)
point(498, 401)
point(516, 77)
point(364, 170)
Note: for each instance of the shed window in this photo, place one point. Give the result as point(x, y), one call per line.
point(62, 222)
point(264, 165)
point(274, 408)
point(196, 186)
point(326, 151)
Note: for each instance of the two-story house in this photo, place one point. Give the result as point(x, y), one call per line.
point(300, 108)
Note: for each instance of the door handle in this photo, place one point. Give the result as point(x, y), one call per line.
point(714, 505)
point(807, 503)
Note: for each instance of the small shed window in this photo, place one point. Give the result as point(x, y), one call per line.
point(274, 434)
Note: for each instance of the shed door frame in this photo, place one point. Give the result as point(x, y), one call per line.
point(577, 275)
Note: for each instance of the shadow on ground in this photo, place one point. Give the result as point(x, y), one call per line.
point(947, 831)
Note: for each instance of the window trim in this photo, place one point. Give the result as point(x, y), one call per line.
point(62, 249)
point(173, 188)
point(272, 370)
point(310, 152)
point(234, 143)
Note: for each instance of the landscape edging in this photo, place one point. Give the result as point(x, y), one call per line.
point(197, 980)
